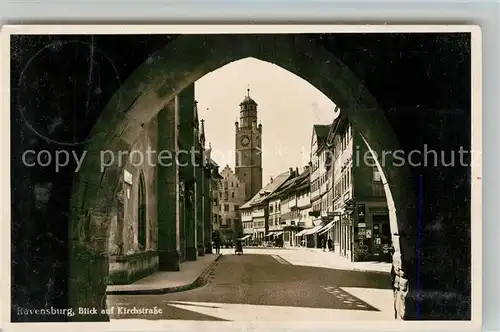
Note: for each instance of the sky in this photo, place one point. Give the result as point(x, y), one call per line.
point(288, 107)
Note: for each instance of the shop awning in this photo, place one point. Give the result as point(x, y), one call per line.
point(270, 233)
point(302, 232)
point(313, 230)
point(326, 228)
point(245, 237)
point(278, 234)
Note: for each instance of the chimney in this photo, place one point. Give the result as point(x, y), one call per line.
point(290, 170)
point(271, 179)
point(296, 171)
point(310, 163)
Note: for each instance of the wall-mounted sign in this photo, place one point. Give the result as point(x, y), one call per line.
point(127, 177)
point(368, 233)
point(362, 224)
point(361, 212)
point(361, 232)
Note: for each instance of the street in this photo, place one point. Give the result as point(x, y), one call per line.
point(267, 287)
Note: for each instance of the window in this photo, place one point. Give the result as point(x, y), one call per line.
point(226, 195)
point(226, 207)
point(236, 207)
point(232, 184)
point(141, 213)
point(232, 195)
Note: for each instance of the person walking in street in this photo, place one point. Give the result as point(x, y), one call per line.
point(217, 245)
point(330, 244)
point(323, 244)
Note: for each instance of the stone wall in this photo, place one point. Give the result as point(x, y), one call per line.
point(128, 260)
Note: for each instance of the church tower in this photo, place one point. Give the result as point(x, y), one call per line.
point(248, 156)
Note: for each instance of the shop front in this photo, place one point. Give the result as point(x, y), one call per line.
point(372, 234)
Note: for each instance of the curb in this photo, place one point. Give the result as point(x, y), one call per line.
point(362, 270)
point(198, 282)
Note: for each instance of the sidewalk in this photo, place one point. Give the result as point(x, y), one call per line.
point(319, 258)
point(331, 260)
point(190, 275)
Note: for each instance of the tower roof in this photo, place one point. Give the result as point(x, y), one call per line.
point(248, 100)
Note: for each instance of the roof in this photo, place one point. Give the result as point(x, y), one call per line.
point(265, 192)
point(321, 131)
point(248, 101)
point(302, 181)
point(323, 142)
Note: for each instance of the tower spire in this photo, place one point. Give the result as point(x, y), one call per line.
point(248, 90)
point(202, 133)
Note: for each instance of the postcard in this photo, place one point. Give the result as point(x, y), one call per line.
point(243, 177)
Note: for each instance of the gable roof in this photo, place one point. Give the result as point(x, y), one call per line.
point(265, 192)
point(321, 131)
point(294, 183)
point(330, 130)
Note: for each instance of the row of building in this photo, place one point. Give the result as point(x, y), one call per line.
point(339, 196)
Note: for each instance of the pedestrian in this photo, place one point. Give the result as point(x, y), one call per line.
point(217, 245)
point(323, 244)
point(330, 244)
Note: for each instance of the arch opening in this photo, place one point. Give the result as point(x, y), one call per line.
point(157, 84)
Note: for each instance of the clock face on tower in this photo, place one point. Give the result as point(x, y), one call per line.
point(245, 140)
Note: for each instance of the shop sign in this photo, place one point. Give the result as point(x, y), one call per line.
point(361, 212)
point(368, 233)
point(361, 232)
point(385, 248)
point(362, 225)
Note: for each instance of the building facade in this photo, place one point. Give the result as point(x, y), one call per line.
point(248, 148)
point(162, 214)
point(230, 196)
point(359, 203)
point(319, 186)
point(132, 246)
point(255, 212)
point(289, 195)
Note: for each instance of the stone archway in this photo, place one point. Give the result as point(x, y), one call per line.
point(149, 89)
